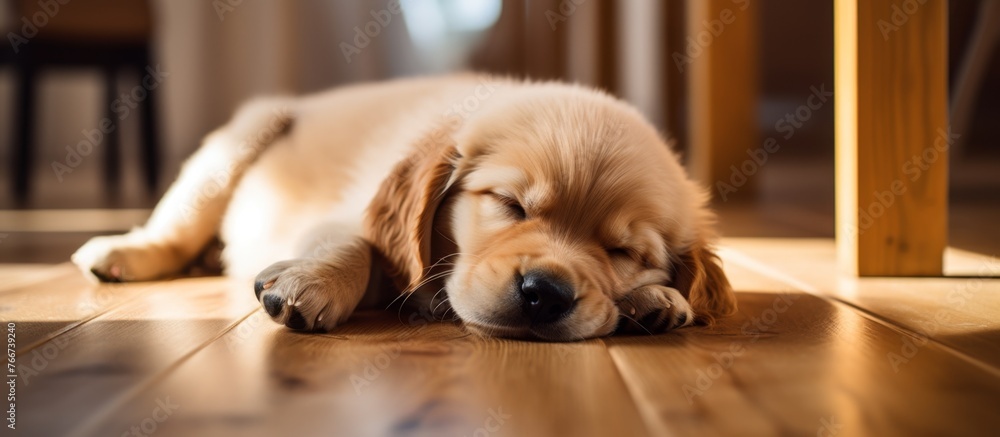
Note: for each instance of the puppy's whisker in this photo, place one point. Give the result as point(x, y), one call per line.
point(412, 289)
point(439, 305)
point(402, 294)
point(443, 259)
point(434, 309)
point(394, 300)
point(423, 281)
point(399, 313)
point(470, 255)
point(427, 280)
point(442, 234)
point(441, 262)
point(637, 324)
point(405, 294)
point(435, 297)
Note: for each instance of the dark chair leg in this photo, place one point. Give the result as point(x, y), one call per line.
point(24, 127)
point(112, 150)
point(150, 147)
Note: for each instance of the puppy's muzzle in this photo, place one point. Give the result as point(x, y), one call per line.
point(544, 298)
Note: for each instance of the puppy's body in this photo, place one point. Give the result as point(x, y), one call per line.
point(326, 170)
point(308, 193)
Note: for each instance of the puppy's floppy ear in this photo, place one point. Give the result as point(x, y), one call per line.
point(400, 217)
point(699, 277)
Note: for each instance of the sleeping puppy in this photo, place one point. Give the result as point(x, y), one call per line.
point(529, 210)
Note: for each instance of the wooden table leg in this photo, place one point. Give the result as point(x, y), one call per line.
point(892, 136)
point(720, 63)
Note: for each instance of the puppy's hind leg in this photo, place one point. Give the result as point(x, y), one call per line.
point(188, 216)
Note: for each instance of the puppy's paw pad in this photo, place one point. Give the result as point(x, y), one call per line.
point(297, 293)
point(295, 320)
point(273, 304)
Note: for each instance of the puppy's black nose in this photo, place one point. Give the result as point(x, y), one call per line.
point(545, 299)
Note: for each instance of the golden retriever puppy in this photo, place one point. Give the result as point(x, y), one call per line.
point(530, 210)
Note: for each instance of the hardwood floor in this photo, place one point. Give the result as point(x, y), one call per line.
point(810, 353)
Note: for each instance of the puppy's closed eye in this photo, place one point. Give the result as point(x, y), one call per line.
point(627, 254)
point(510, 206)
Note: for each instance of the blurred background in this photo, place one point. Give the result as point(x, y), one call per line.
point(165, 73)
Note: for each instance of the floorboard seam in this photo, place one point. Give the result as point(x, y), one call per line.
point(89, 427)
point(772, 272)
point(74, 325)
point(649, 423)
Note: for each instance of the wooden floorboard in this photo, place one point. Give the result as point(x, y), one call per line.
point(15, 276)
point(791, 363)
point(380, 376)
point(960, 312)
point(45, 308)
point(74, 376)
point(829, 353)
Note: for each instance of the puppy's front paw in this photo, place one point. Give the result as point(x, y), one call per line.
point(653, 309)
point(123, 258)
point(307, 294)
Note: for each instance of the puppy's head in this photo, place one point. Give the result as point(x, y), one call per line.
point(560, 203)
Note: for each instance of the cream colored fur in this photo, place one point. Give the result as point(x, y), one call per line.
point(288, 183)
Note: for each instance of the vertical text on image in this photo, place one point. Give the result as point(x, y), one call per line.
point(11, 376)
